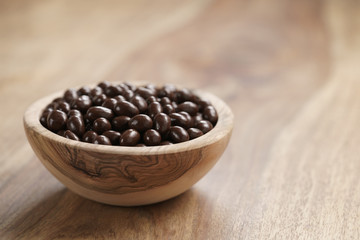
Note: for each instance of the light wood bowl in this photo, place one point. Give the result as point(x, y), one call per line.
point(128, 176)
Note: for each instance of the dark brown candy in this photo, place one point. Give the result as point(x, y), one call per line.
point(101, 139)
point(178, 134)
point(164, 101)
point(194, 133)
point(184, 95)
point(101, 125)
point(203, 104)
point(96, 91)
point(204, 125)
point(120, 123)
point(74, 112)
point(58, 100)
point(140, 103)
point(186, 115)
point(76, 125)
point(188, 107)
point(152, 137)
point(210, 114)
point(56, 120)
point(162, 123)
point(168, 109)
point(70, 135)
point(52, 105)
point(89, 136)
point(151, 99)
point(127, 115)
point(98, 112)
point(128, 94)
point(112, 91)
point(180, 120)
point(110, 103)
point(70, 95)
point(195, 119)
point(82, 103)
point(141, 122)
point(119, 98)
point(84, 91)
point(63, 106)
point(145, 92)
point(154, 108)
point(44, 115)
point(130, 137)
point(125, 108)
point(104, 84)
point(114, 136)
point(99, 99)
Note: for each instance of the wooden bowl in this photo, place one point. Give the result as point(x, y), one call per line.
point(128, 176)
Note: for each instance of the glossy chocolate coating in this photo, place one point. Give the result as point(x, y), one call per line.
point(164, 101)
point(140, 103)
point(145, 92)
point(210, 114)
point(162, 123)
point(141, 122)
point(76, 125)
point(188, 107)
point(194, 133)
point(154, 108)
point(152, 137)
point(123, 114)
point(114, 136)
point(44, 115)
point(151, 99)
point(97, 112)
point(178, 134)
point(104, 84)
point(125, 108)
point(95, 92)
point(84, 91)
point(112, 91)
point(70, 95)
point(63, 106)
point(74, 112)
point(204, 126)
point(130, 137)
point(101, 125)
point(109, 103)
point(70, 135)
point(180, 120)
point(82, 103)
point(120, 123)
point(89, 136)
point(56, 120)
point(101, 139)
point(168, 109)
point(99, 99)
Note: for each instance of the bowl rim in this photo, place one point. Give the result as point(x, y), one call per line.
point(222, 128)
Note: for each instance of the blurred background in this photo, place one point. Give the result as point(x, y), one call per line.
point(266, 59)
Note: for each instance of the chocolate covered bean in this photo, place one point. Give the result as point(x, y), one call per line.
point(141, 122)
point(130, 137)
point(126, 115)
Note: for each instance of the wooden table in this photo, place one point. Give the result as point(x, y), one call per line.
point(289, 70)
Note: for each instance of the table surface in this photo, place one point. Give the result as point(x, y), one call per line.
point(288, 69)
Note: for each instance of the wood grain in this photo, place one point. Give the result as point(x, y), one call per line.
point(288, 69)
